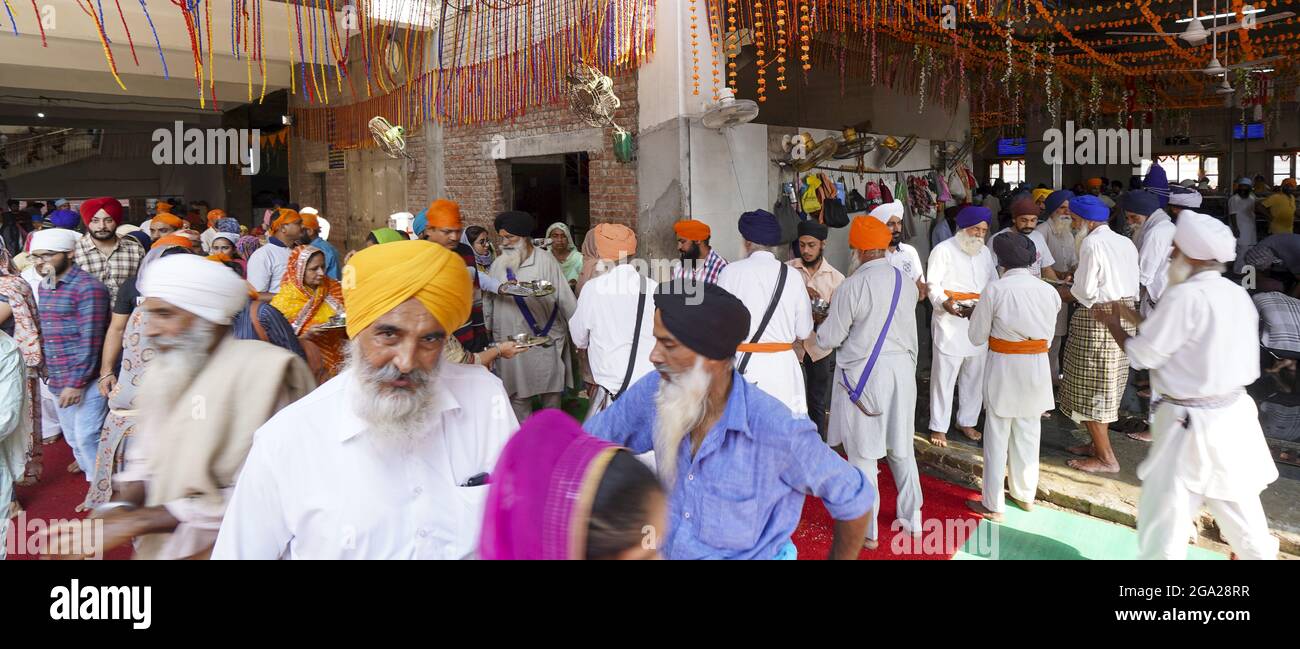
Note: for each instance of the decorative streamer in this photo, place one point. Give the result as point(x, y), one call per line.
point(39, 22)
point(89, 10)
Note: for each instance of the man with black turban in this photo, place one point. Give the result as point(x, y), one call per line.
point(1016, 316)
point(821, 279)
point(543, 371)
point(737, 462)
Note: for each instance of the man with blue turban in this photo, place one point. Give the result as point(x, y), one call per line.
point(1096, 368)
point(765, 284)
point(960, 268)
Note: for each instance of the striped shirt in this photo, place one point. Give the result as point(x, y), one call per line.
point(112, 269)
point(707, 272)
point(74, 318)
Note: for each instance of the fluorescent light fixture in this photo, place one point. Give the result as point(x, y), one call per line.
point(1227, 15)
point(1263, 70)
point(41, 115)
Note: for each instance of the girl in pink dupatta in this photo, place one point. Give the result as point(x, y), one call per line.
point(559, 493)
point(18, 301)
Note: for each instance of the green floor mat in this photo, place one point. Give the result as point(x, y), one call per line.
point(1052, 534)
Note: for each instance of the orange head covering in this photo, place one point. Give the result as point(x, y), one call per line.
point(444, 214)
point(173, 240)
point(379, 278)
point(613, 241)
point(286, 217)
point(868, 233)
point(309, 220)
point(692, 230)
point(1289, 182)
point(163, 207)
point(169, 219)
point(213, 215)
point(1094, 183)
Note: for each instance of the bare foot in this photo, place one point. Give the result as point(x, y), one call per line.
point(1025, 505)
point(1093, 465)
point(1085, 450)
point(988, 514)
point(870, 544)
point(939, 439)
point(74, 468)
point(970, 433)
point(1144, 436)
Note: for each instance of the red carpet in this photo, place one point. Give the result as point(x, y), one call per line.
point(55, 497)
point(947, 522)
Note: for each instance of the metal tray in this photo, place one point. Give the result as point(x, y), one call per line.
point(536, 288)
point(525, 341)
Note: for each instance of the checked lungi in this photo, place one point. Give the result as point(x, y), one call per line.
point(1096, 369)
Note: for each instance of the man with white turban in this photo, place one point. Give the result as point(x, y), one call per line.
point(389, 459)
point(902, 256)
point(1208, 445)
point(208, 392)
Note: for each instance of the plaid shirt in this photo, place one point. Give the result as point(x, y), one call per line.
point(112, 269)
point(708, 272)
point(74, 318)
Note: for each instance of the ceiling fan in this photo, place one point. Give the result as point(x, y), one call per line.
point(1215, 68)
point(1196, 33)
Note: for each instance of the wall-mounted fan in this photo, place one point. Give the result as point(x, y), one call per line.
point(592, 99)
point(952, 154)
point(390, 139)
point(729, 111)
point(803, 153)
point(898, 149)
point(853, 145)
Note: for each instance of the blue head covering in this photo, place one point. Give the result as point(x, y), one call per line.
point(1141, 202)
point(142, 237)
point(421, 223)
point(973, 214)
point(761, 227)
point(63, 219)
point(1090, 208)
point(1157, 183)
point(1055, 199)
point(228, 225)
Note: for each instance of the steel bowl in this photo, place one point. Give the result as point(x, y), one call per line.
point(821, 307)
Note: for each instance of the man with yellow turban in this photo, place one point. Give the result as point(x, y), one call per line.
point(387, 460)
point(266, 266)
point(699, 259)
point(543, 371)
point(612, 321)
point(872, 328)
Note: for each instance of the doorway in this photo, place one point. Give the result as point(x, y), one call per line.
point(553, 189)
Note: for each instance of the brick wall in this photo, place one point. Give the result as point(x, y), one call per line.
point(475, 181)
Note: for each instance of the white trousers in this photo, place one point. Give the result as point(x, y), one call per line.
point(908, 481)
point(966, 374)
point(1166, 509)
point(1012, 441)
point(50, 413)
point(1054, 357)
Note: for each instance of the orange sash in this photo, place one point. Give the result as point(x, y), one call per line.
point(1018, 347)
point(765, 348)
point(962, 296)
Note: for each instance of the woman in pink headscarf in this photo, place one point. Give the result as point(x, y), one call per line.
point(559, 493)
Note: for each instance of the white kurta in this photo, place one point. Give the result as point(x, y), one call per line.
point(15, 424)
point(316, 484)
point(605, 320)
point(1153, 260)
point(753, 280)
point(908, 260)
point(951, 269)
point(1194, 345)
point(1108, 268)
point(856, 318)
point(1015, 308)
point(540, 370)
point(1043, 258)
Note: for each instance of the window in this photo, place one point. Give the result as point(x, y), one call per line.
point(1284, 167)
point(1011, 170)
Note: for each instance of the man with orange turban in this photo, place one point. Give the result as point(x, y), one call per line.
point(614, 321)
point(441, 224)
point(266, 266)
point(164, 223)
point(699, 259)
point(408, 435)
point(872, 328)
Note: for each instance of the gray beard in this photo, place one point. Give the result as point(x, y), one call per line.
point(680, 406)
point(179, 361)
point(395, 417)
point(1060, 227)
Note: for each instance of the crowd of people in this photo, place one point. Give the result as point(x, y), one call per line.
point(230, 395)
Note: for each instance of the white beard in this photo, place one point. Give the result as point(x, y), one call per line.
point(1061, 226)
point(395, 417)
point(1136, 231)
point(969, 244)
point(1079, 237)
point(509, 257)
point(680, 406)
point(171, 372)
point(853, 263)
point(1178, 272)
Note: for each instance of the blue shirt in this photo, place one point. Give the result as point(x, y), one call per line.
point(331, 258)
point(742, 494)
